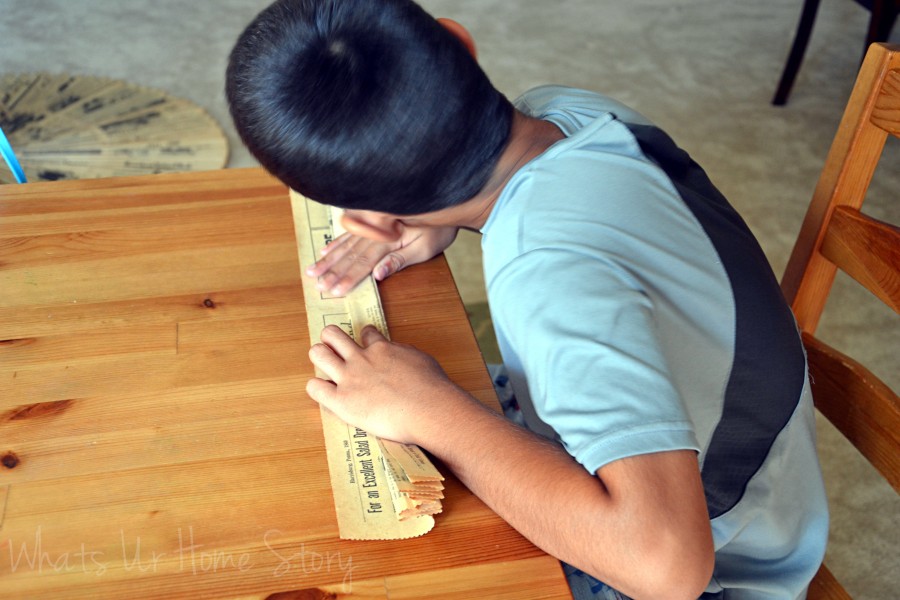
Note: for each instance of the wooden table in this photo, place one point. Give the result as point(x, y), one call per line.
point(155, 438)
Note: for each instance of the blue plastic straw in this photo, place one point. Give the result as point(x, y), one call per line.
point(10, 157)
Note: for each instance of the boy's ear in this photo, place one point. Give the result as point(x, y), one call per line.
point(461, 33)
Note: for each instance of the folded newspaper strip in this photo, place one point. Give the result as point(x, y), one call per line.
point(415, 484)
point(382, 489)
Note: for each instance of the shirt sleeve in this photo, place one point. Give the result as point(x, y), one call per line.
point(584, 335)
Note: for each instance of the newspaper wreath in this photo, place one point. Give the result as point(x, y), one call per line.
point(80, 127)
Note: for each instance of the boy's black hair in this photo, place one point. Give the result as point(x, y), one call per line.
point(366, 104)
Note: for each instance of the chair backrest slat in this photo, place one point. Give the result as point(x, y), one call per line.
point(859, 404)
point(886, 112)
point(866, 249)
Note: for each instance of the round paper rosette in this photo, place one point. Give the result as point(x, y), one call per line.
point(80, 127)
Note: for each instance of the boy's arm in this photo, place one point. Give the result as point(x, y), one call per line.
point(640, 525)
point(349, 258)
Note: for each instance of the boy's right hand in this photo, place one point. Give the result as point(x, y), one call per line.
point(349, 258)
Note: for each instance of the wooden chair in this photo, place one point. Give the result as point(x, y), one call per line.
point(884, 15)
point(836, 234)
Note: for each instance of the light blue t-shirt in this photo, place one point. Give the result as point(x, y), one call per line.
point(636, 313)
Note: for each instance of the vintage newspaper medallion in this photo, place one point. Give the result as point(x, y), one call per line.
point(67, 126)
point(382, 489)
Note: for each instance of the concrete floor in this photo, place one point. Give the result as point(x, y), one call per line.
point(703, 69)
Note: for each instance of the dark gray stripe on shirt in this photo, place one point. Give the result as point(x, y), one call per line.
point(769, 367)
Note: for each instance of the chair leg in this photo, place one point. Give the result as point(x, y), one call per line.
point(798, 49)
point(884, 15)
point(888, 24)
point(873, 33)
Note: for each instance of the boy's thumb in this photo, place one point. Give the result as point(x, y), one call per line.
point(390, 264)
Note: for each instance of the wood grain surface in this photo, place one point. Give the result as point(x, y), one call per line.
point(155, 438)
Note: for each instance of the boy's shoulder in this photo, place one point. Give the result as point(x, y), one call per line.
point(573, 108)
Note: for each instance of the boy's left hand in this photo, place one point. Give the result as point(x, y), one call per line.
point(350, 258)
point(391, 390)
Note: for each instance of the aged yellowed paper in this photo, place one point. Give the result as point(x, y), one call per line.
point(382, 489)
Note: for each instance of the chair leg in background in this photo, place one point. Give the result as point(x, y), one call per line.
point(798, 49)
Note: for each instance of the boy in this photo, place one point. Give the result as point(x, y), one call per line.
point(644, 332)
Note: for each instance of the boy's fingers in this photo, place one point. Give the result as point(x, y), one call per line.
point(326, 282)
point(341, 343)
point(326, 360)
point(337, 252)
point(349, 280)
point(390, 264)
point(342, 269)
point(335, 243)
point(320, 390)
point(326, 261)
point(370, 335)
